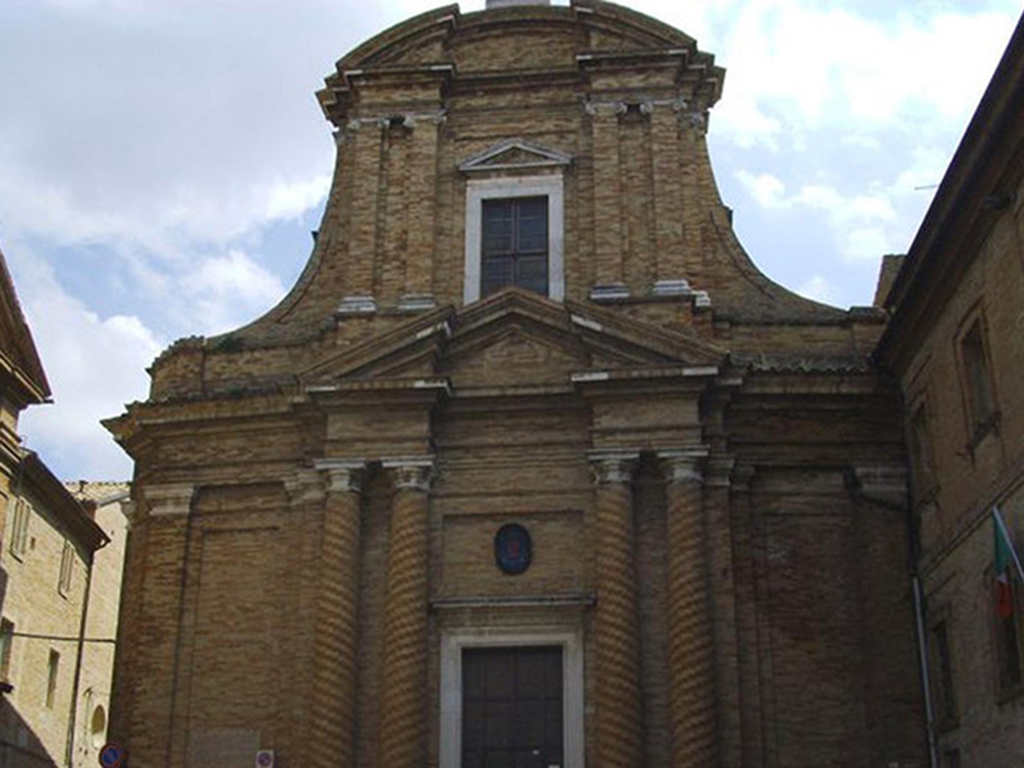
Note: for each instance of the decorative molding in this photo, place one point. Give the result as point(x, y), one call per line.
point(411, 474)
point(536, 156)
point(343, 475)
point(701, 300)
point(169, 500)
point(644, 106)
point(719, 471)
point(613, 466)
point(683, 465)
point(408, 119)
point(304, 485)
point(357, 305)
point(885, 484)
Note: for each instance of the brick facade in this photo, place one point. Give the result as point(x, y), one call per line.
point(705, 462)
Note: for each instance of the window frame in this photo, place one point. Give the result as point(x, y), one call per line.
point(20, 521)
point(946, 707)
point(551, 186)
point(455, 640)
point(52, 678)
point(67, 568)
point(7, 630)
point(978, 425)
point(919, 431)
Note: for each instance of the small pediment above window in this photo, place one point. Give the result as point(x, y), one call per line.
point(515, 154)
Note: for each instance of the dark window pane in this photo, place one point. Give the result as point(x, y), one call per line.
point(514, 249)
point(498, 273)
point(532, 230)
point(533, 273)
point(497, 226)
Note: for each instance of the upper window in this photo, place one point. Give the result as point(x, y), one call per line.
point(977, 378)
point(515, 244)
point(514, 236)
point(19, 528)
point(943, 692)
point(6, 645)
point(921, 451)
point(67, 568)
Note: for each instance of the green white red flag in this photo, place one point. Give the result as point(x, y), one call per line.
point(1004, 560)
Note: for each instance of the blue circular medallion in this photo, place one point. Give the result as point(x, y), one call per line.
point(512, 548)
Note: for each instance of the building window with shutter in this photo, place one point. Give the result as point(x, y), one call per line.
point(921, 459)
point(52, 672)
point(6, 647)
point(514, 251)
point(514, 236)
point(977, 380)
point(67, 568)
point(942, 682)
point(19, 528)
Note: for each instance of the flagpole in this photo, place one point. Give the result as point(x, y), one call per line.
point(997, 517)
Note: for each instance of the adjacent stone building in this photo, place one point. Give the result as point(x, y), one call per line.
point(532, 467)
point(956, 345)
point(47, 555)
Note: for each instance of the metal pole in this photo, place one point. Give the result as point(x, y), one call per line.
point(922, 651)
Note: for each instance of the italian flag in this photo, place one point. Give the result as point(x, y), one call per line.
point(1003, 560)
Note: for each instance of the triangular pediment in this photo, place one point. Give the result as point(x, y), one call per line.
point(514, 338)
point(515, 154)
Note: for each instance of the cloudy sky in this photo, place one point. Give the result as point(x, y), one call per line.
point(162, 162)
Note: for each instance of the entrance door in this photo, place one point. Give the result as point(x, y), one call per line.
point(512, 707)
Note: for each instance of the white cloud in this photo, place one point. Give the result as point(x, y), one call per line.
point(818, 288)
point(94, 365)
point(228, 290)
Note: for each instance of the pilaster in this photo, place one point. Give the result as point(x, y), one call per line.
point(619, 722)
point(332, 737)
point(403, 716)
point(691, 649)
point(420, 213)
point(609, 278)
point(363, 229)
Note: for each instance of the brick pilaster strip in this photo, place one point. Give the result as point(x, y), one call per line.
point(692, 154)
point(690, 635)
point(608, 205)
point(403, 716)
point(619, 736)
point(334, 649)
point(668, 214)
point(362, 249)
point(419, 261)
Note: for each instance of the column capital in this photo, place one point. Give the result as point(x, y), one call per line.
point(169, 499)
point(719, 470)
point(883, 483)
point(342, 475)
point(411, 473)
point(742, 477)
point(613, 466)
point(683, 465)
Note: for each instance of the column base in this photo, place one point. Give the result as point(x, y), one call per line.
point(356, 305)
point(609, 293)
point(416, 302)
point(678, 287)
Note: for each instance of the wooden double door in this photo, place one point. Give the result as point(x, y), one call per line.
point(512, 710)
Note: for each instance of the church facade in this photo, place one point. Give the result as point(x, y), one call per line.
point(532, 467)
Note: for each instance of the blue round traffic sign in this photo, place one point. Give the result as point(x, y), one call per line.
point(112, 755)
